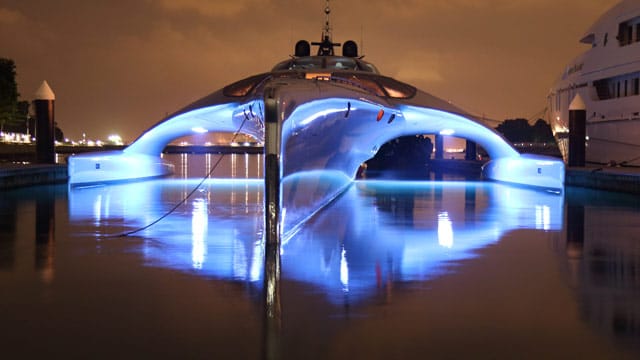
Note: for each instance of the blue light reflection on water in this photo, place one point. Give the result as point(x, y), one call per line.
point(216, 233)
point(404, 232)
point(552, 287)
point(378, 231)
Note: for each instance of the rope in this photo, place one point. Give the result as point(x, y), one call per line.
point(176, 206)
point(624, 162)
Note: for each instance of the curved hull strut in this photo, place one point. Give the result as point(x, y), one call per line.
point(329, 123)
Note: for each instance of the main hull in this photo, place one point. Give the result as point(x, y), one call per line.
point(612, 129)
point(614, 142)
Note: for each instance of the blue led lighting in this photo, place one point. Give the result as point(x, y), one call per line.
point(199, 130)
point(337, 250)
point(141, 160)
point(331, 133)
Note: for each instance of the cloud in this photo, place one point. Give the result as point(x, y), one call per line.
point(122, 66)
point(211, 8)
point(419, 67)
point(10, 17)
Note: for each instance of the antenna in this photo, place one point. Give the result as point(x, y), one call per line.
point(362, 40)
point(327, 24)
point(325, 46)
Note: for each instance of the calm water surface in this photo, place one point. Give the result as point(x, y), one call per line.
point(392, 270)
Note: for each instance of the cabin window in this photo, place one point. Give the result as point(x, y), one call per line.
point(379, 85)
point(626, 31)
point(602, 89)
point(625, 88)
point(243, 87)
point(396, 89)
point(618, 86)
point(623, 34)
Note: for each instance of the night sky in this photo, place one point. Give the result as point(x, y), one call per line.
point(120, 66)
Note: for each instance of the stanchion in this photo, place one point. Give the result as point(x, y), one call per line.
point(577, 131)
point(273, 231)
point(45, 124)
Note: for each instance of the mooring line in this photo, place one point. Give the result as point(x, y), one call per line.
point(176, 206)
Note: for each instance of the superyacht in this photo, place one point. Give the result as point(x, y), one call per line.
point(607, 80)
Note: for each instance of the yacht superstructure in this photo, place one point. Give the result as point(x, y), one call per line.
point(607, 78)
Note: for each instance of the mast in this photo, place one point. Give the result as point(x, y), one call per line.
point(327, 23)
point(325, 46)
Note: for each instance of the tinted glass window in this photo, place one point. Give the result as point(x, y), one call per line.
point(244, 86)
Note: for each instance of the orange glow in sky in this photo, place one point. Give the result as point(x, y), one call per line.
point(120, 67)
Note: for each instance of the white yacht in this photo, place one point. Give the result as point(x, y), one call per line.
point(607, 78)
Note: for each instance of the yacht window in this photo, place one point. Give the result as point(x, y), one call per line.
point(342, 64)
point(625, 87)
point(396, 89)
point(606, 38)
point(244, 86)
point(618, 86)
point(324, 62)
point(361, 81)
point(368, 67)
point(379, 85)
point(626, 31)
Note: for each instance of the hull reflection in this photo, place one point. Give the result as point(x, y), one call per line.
point(379, 233)
point(217, 232)
point(601, 258)
point(375, 234)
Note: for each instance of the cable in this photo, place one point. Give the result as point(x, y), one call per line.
point(620, 163)
point(175, 207)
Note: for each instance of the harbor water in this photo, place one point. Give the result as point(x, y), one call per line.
point(448, 267)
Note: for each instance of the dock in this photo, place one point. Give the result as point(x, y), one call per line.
point(20, 175)
point(618, 179)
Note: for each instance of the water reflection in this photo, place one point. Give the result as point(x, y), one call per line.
point(45, 233)
point(380, 238)
point(602, 258)
point(224, 219)
point(199, 228)
point(36, 207)
point(8, 219)
point(385, 232)
point(377, 231)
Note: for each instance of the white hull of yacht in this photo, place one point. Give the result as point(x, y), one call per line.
point(607, 79)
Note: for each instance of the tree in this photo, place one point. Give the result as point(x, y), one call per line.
point(516, 130)
point(8, 93)
point(542, 132)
